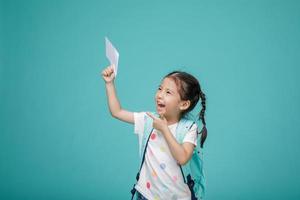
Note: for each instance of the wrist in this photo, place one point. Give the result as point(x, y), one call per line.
point(165, 129)
point(109, 83)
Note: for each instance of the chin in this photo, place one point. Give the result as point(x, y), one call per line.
point(158, 111)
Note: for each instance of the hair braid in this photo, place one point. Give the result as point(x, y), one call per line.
point(201, 117)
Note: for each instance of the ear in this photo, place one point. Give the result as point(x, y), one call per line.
point(184, 105)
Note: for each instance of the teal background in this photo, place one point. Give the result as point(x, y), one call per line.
point(57, 138)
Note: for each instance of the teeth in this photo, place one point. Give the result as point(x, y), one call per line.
point(160, 104)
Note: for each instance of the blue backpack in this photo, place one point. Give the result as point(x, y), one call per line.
point(192, 171)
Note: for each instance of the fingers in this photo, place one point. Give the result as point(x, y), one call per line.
point(111, 67)
point(150, 115)
point(108, 71)
point(161, 116)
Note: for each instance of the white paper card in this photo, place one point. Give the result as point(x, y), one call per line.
point(112, 54)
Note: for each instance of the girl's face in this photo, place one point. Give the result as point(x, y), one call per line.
point(168, 101)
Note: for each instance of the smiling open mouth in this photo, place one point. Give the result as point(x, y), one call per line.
point(160, 105)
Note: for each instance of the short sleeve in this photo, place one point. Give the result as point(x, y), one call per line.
point(139, 122)
point(191, 136)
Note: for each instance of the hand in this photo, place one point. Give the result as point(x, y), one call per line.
point(108, 74)
point(160, 123)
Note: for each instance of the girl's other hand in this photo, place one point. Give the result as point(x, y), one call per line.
point(108, 74)
point(160, 123)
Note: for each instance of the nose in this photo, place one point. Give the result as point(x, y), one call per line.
point(159, 94)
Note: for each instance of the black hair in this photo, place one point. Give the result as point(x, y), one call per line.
point(189, 89)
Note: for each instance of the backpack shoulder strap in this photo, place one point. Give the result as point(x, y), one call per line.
point(183, 127)
point(192, 171)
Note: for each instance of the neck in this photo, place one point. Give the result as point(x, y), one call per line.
point(171, 120)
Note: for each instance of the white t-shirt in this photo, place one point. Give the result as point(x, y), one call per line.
point(160, 176)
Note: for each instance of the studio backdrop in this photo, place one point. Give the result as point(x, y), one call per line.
point(57, 137)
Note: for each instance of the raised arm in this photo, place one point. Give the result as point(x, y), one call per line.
point(113, 102)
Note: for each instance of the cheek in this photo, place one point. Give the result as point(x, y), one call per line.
point(170, 102)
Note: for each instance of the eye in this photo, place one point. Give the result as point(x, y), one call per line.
point(159, 88)
point(169, 92)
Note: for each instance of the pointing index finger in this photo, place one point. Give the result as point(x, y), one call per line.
point(150, 115)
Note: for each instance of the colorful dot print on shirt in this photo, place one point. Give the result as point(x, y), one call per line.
point(154, 174)
point(148, 184)
point(153, 135)
point(156, 197)
point(162, 166)
point(174, 179)
point(162, 148)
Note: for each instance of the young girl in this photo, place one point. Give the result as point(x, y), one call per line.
point(160, 176)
